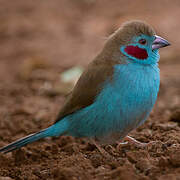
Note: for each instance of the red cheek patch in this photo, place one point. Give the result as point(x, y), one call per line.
point(136, 52)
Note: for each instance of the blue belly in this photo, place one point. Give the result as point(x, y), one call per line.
point(124, 103)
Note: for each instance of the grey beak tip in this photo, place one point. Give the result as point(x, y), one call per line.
point(169, 44)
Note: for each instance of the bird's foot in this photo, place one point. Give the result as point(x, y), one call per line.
point(103, 152)
point(135, 142)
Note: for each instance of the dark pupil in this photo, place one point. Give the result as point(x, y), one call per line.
point(142, 41)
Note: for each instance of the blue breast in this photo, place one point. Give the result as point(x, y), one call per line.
point(124, 103)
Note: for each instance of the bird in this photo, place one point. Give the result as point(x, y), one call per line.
point(116, 92)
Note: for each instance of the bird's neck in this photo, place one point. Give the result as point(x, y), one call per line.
point(138, 77)
point(134, 69)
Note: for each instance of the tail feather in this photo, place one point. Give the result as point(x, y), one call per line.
point(57, 129)
point(25, 140)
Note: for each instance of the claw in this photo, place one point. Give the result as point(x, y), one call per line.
point(136, 143)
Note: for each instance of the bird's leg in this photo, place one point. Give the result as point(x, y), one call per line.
point(100, 149)
point(135, 142)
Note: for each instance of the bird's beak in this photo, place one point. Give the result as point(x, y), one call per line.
point(159, 42)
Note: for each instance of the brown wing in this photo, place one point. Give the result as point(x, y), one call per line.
point(87, 88)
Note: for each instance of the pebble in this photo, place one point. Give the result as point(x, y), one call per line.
point(175, 158)
point(5, 178)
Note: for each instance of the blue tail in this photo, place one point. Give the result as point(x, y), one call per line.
point(54, 130)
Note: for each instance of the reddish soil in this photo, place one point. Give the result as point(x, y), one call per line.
point(39, 40)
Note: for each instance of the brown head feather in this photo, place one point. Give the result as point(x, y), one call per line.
point(130, 29)
point(123, 36)
point(101, 68)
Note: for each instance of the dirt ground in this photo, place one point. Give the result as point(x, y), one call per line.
point(41, 39)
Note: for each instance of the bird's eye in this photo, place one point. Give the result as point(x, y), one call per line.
point(142, 41)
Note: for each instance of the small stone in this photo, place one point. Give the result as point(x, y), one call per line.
point(175, 116)
point(131, 157)
point(31, 64)
point(143, 165)
point(100, 169)
point(68, 79)
point(96, 160)
point(168, 177)
point(163, 162)
point(21, 111)
point(167, 126)
point(63, 88)
point(55, 149)
point(71, 75)
point(124, 173)
point(19, 156)
point(175, 158)
point(63, 173)
point(5, 178)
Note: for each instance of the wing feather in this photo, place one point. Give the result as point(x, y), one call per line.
point(87, 88)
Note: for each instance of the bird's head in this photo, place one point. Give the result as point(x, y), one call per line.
point(137, 42)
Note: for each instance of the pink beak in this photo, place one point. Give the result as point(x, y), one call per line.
point(159, 42)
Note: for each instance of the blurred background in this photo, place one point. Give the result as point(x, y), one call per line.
point(45, 45)
point(40, 40)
